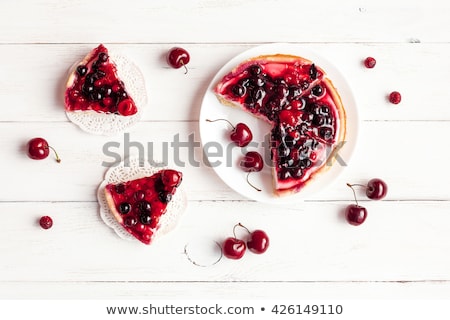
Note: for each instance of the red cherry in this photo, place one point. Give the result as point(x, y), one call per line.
point(370, 62)
point(259, 242)
point(46, 222)
point(126, 108)
point(252, 162)
point(178, 57)
point(171, 178)
point(241, 133)
point(234, 248)
point(395, 97)
point(39, 149)
point(355, 214)
point(376, 189)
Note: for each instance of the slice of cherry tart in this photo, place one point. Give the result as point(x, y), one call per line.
point(306, 113)
point(95, 85)
point(139, 204)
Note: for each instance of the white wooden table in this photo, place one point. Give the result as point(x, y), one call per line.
point(401, 251)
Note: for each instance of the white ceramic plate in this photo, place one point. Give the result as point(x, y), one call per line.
point(224, 156)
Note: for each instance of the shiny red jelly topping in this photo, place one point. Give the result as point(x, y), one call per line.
point(141, 202)
point(297, 101)
point(96, 86)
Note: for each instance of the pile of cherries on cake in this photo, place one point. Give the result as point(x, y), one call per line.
point(104, 93)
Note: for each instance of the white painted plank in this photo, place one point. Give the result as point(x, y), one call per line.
point(230, 21)
point(172, 291)
point(32, 90)
point(405, 154)
point(400, 241)
point(400, 252)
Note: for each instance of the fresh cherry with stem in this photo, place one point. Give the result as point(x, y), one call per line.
point(178, 57)
point(38, 149)
point(258, 242)
point(354, 213)
point(376, 189)
point(234, 248)
point(240, 134)
point(252, 162)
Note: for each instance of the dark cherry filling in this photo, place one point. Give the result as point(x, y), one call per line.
point(124, 207)
point(140, 202)
point(98, 88)
point(296, 102)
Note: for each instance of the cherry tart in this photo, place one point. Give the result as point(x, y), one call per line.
point(94, 85)
point(303, 107)
point(139, 204)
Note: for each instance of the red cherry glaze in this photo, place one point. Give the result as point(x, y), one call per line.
point(126, 107)
point(178, 57)
point(355, 214)
point(234, 248)
point(171, 178)
point(46, 222)
point(395, 97)
point(96, 86)
point(289, 118)
point(140, 203)
point(296, 99)
point(259, 242)
point(370, 62)
point(38, 149)
point(376, 189)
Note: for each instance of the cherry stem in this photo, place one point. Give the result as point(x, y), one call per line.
point(257, 189)
point(358, 185)
point(185, 68)
point(354, 193)
point(239, 225)
point(242, 226)
point(222, 120)
point(58, 159)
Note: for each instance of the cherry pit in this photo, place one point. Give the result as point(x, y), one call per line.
point(256, 241)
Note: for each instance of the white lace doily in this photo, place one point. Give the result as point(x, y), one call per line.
point(109, 124)
point(134, 169)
